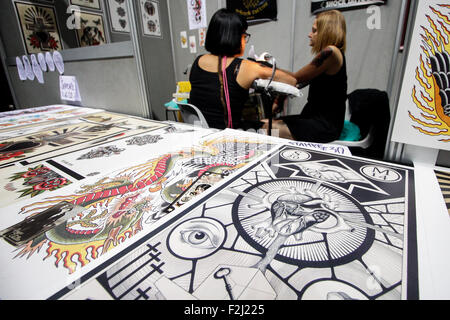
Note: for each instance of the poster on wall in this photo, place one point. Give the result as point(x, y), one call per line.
point(255, 11)
point(324, 5)
point(423, 114)
point(92, 31)
point(38, 26)
point(150, 18)
point(197, 14)
point(92, 4)
point(119, 16)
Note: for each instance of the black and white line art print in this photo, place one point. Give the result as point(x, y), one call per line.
point(298, 224)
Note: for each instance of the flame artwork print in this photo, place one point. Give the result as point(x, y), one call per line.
point(423, 116)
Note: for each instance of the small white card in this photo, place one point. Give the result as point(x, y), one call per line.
point(192, 44)
point(21, 69)
point(184, 39)
point(201, 37)
point(69, 89)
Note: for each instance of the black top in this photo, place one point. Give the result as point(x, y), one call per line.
point(324, 113)
point(205, 94)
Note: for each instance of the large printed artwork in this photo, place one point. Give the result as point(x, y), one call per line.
point(108, 206)
point(423, 116)
point(115, 209)
point(298, 224)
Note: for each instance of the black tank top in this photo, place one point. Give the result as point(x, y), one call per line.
point(205, 94)
point(326, 100)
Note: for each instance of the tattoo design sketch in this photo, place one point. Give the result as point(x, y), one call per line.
point(424, 106)
point(144, 140)
point(31, 117)
point(434, 80)
point(85, 165)
point(23, 112)
point(444, 184)
point(20, 184)
point(39, 180)
point(39, 27)
point(92, 31)
point(120, 205)
point(48, 144)
point(298, 224)
point(101, 152)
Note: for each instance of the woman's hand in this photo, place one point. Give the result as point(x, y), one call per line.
point(279, 129)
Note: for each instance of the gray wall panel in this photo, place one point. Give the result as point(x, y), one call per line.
point(109, 84)
point(157, 62)
point(107, 75)
point(183, 57)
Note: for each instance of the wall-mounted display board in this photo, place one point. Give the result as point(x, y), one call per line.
point(423, 114)
point(324, 5)
point(38, 26)
point(255, 11)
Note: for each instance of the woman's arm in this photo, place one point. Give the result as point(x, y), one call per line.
point(250, 71)
point(329, 60)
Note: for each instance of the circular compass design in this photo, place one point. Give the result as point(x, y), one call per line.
point(303, 222)
point(295, 155)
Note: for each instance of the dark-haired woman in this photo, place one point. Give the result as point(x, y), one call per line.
point(322, 118)
point(226, 39)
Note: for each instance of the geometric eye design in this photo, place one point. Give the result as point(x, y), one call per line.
point(196, 238)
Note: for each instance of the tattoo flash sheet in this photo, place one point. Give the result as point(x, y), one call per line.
point(43, 115)
point(298, 224)
point(121, 153)
point(20, 183)
point(48, 144)
point(110, 212)
point(423, 116)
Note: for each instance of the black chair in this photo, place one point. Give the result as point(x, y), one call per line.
point(369, 110)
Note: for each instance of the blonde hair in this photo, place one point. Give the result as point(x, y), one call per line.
point(331, 30)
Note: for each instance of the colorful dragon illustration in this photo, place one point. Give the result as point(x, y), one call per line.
point(119, 206)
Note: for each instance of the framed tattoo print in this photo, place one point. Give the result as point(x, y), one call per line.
point(150, 18)
point(92, 4)
point(118, 13)
point(92, 31)
point(38, 26)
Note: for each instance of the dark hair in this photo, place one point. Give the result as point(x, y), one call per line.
point(224, 34)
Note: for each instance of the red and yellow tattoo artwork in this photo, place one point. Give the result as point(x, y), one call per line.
point(431, 92)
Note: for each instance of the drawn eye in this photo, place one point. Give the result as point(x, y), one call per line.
point(196, 238)
point(199, 238)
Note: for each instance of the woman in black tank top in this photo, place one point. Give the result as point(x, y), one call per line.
point(322, 118)
point(226, 39)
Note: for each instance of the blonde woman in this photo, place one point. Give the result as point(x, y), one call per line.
point(322, 118)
